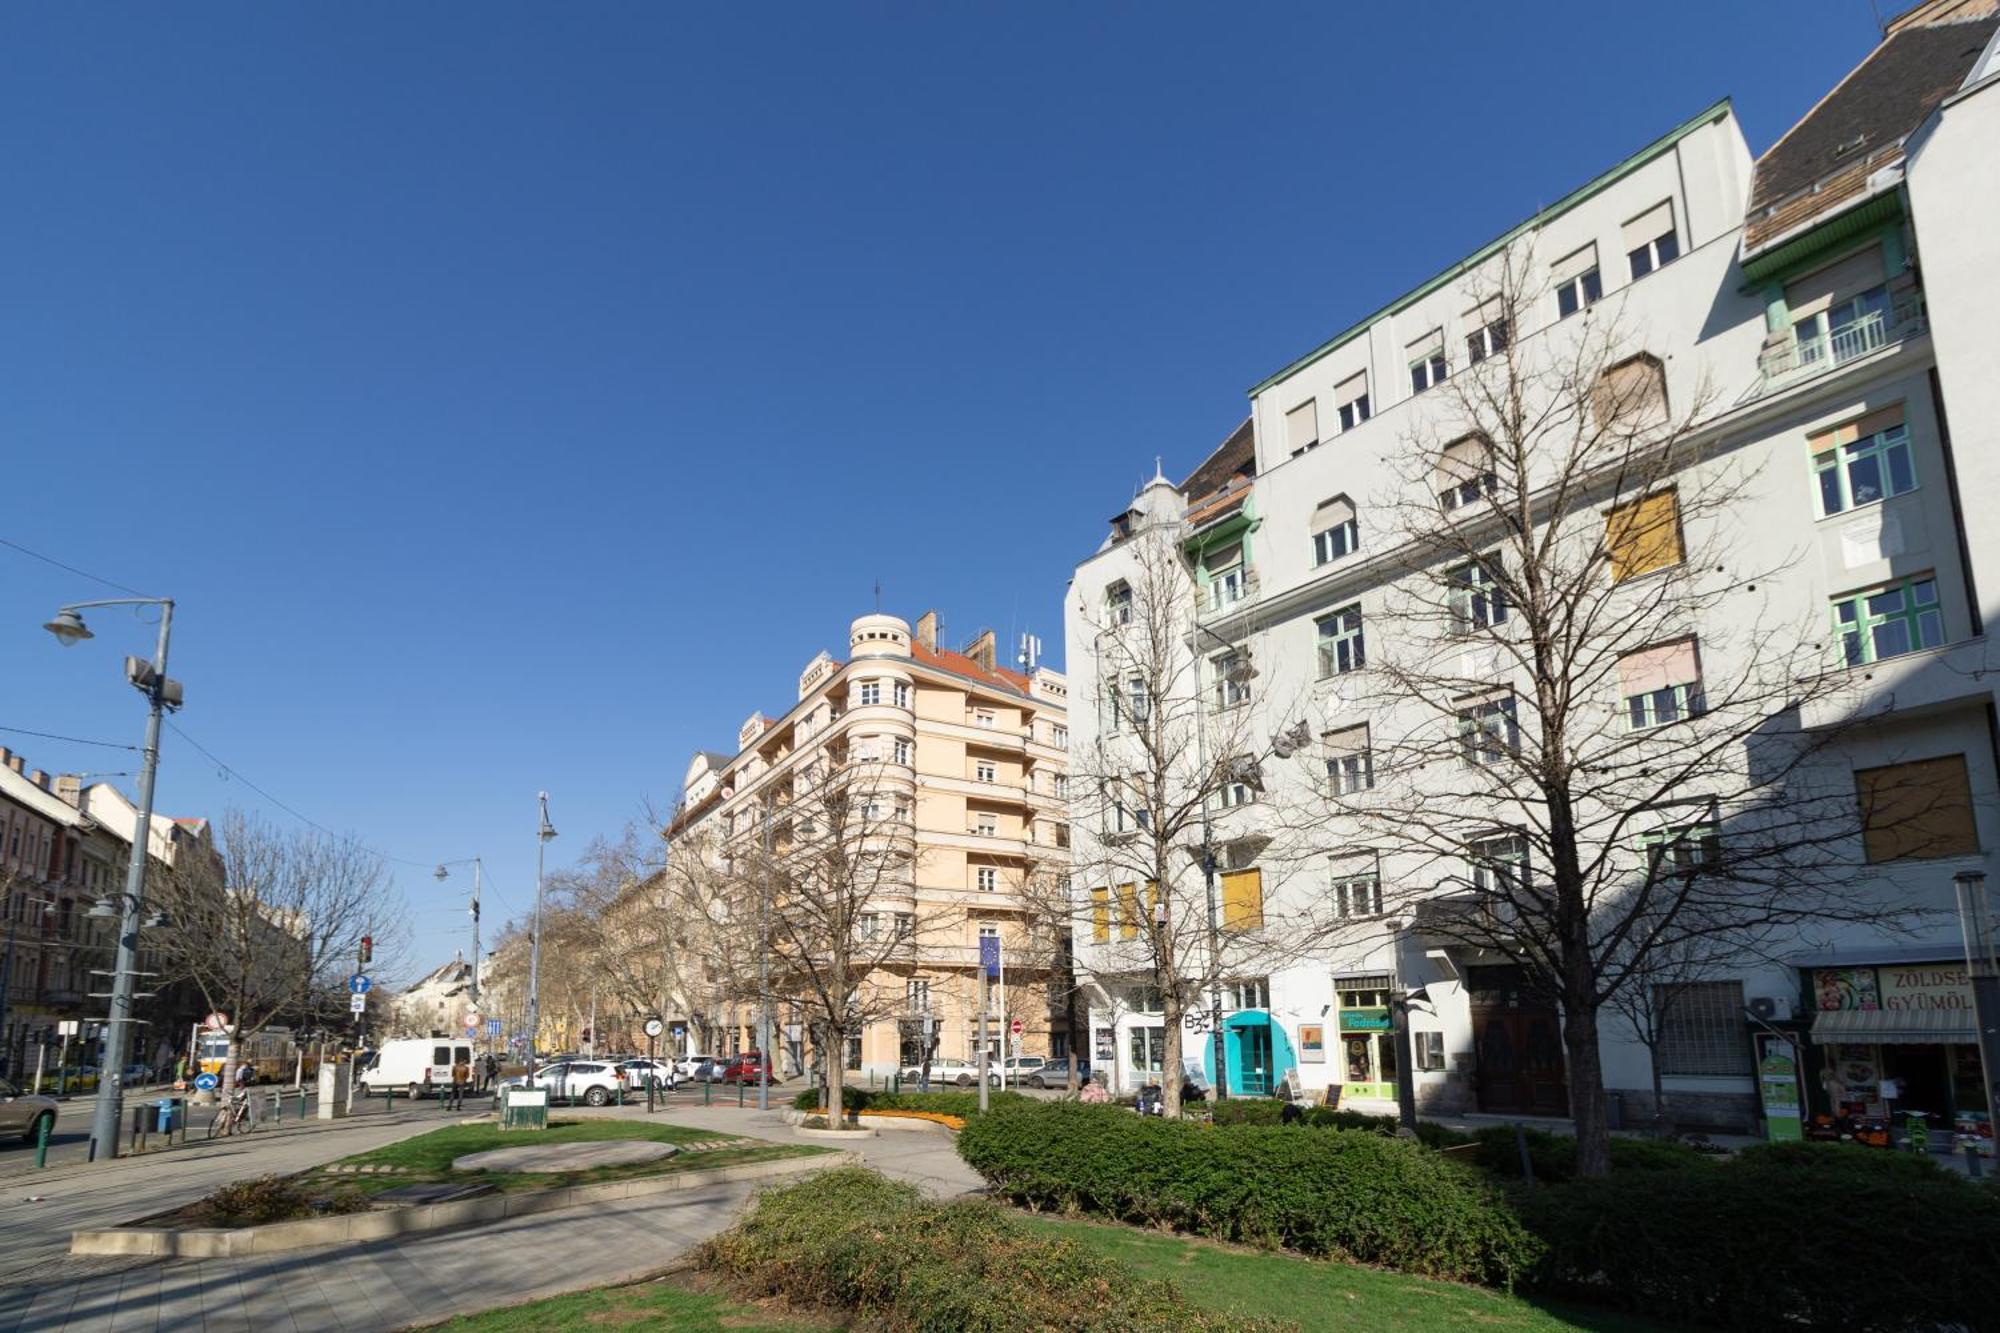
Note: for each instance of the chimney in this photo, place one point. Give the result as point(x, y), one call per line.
point(927, 631)
point(69, 786)
point(15, 762)
point(6, 755)
point(980, 649)
point(40, 779)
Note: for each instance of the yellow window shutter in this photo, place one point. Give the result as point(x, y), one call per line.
point(1243, 899)
point(1644, 535)
point(1128, 911)
point(1100, 915)
point(1921, 809)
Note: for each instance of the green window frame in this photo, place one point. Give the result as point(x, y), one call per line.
point(1889, 621)
point(1865, 471)
point(1656, 708)
point(1685, 846)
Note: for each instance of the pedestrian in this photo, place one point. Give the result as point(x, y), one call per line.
point(461, 1074)
point(492, 1069)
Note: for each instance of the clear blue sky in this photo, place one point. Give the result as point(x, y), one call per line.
point(515, 397)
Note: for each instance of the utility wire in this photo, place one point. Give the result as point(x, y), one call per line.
point(71, 569)
point(73, 740)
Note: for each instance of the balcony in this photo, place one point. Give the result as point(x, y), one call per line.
point(1867, 324)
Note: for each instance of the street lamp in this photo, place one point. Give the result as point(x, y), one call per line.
point(151, 680)
point(1400, 1004)
point(1982, 966)
point(441, 874)
point(542, 836)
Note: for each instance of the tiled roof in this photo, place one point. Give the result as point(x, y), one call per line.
point(1825, 160)
point(960, 664)
point(1236, 454)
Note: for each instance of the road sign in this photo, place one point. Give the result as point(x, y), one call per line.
point(68, 1027)
point(472, 1020)
point(206, 1082)
point(357, 1004)
point(1016, 1027)
point(654, 1027)
point(493, 1026)
point(359, 983)
point(216, 1022)
point(989, 954)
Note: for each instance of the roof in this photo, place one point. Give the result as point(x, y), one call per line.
point(1237, 454)
point(17, 788)
point(1595, 185)
point(961, 665)
point(1823, 162)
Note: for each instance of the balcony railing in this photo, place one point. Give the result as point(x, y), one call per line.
point(1802, 358)
point(1226, 590)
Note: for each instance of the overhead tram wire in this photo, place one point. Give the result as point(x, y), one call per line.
point(71, 569)
point(72, 740)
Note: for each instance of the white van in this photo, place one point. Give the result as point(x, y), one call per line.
point(416, 1065)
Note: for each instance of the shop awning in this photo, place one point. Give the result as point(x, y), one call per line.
point(1864, 1027)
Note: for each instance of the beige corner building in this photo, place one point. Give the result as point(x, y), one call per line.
point(975, 756)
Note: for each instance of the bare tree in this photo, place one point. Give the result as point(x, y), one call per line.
point(829, 881)
point(1180, 818)
point(1574, 662)
point(268, 928)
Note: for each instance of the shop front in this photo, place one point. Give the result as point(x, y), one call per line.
point(1366, 1060)
point(1894, 1038)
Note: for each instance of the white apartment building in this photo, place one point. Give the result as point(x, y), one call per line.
point(1825, 303)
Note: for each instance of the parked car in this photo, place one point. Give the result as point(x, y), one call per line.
point(1016, 1070)
point(745, 1068)
point(23, 1112)
point(637, 1071)
point(419, 1066)
point(708, 1069)
point(589, 1081)
point(964, 1073)
point(688, 1063)
point(1054, 1073)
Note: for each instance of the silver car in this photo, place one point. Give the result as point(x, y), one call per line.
point(23, 1112)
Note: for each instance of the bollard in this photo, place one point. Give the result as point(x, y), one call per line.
point(138, 1130)
point(1521, 1146)
point(47, 1122)
point(707, 1092)
point(302, 1101)
point(1972, 1169)
point(277, 1108)
point(739, 1091)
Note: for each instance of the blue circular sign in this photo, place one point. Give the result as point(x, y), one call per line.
point(359, 983)
point(206, 1082)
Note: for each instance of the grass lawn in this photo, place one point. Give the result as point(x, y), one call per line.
point(428, 1157)
point(670, 1305)
point(1320, 1296)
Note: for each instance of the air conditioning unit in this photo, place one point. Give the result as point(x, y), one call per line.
point(1771, 1008)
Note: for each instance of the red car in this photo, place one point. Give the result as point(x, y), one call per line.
point(744, 1068)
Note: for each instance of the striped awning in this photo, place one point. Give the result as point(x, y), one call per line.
point(1864, 1027)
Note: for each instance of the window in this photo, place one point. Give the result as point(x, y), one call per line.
point(1233, 793)
point(986, 879)
point(870, 925)
point(1429, 1050)
point(1228, 579)
point(1475, 597)
point(1917, 810)
point(1249, 993)
point(1341, 645)
point(988, 931)
point(1351, 399)
point(1488, 731)
point(1059, 782)
point(1243, 900)
point(1149, 1050)
point(870, 692)
point(1682, 849)
point(903, 750)
point(1643, 535)
point(917, 994)
point(1302, 427)
point(1060, 735)
point(1650, 242)
point(983, 717)
point(1702, 1031)
point(1863, 461)
point(1100, 915)
point(1232, 680)
point(1489, 331)
point(1138, 703)
point(1465, 472)
point(1661, 684)
point(1335, 530)
point(1500, 865)
point(1357, 895)
point(906, 925)
point(1062, 836)
point(1427, 363)
point(1118, 604)
point(986, 825)
point(1632, 392)
point(1888, 622)
point(1577, 282)
point(901, 694)
point(985, 770)
point(1350, 763)
point(853, 1052)
point(1840, 311)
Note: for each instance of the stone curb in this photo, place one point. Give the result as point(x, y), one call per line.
point(351, 1228)
point(878, 1123)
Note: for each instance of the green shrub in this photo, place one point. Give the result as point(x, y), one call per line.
point(1848, 1157)
point(1801, 1237)
point(1332, 1192)
point(266, 1199)
point(941, 1103)
point(1553, 1156)
point(851, 1240)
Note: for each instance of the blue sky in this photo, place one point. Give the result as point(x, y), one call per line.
point(515, 397)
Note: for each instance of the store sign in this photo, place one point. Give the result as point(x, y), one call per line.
point(1844, 988)
point(1778, 1085)
point(1926, 988)
point(1312, 1043)
point(1365, 1020)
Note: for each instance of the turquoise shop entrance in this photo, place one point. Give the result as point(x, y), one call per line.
point(1258, 1052)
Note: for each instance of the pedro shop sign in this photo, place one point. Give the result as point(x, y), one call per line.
point(1926, 988)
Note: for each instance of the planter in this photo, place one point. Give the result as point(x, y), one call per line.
point(851, 1132)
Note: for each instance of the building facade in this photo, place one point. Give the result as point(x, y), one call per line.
point(971, 755)
point(1815, 310)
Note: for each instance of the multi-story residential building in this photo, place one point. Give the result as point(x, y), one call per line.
point(435, 1005)
point(1815, 310)
point(971, 755)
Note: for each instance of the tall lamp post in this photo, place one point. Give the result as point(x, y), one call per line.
point(542, 836)
point(161, 693)
point(1982, 965)
point(442, 874)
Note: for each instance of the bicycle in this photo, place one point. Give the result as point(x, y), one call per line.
point(233, 1118)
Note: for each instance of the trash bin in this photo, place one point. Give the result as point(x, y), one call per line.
point(172, 1114)
point(1614, 1110)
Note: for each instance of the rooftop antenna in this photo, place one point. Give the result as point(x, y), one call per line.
point(1030, 654)
point(878, 596)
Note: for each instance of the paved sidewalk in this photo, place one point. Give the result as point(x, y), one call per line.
point(926, 1157)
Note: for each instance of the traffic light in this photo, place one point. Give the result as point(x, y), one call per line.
point(367, 949)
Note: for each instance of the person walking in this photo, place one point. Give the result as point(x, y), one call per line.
point(461, 1074)
point(492, 1070)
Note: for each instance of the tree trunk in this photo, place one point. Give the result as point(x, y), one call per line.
point(1170, 1054)
point(230, 1060)
point(1586, 1091)
point(1660, 1127)
point(833, 1057)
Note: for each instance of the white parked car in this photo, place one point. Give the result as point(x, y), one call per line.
point(1018, 1070)
point(944, 1071)
point(590, 1081)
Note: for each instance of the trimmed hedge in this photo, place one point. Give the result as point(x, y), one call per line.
point(1793, 1236)
point(851, 1240)
point(1337, 1193)
point(1554, 1155)
point(1247, 1111)
point(960, 1104)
